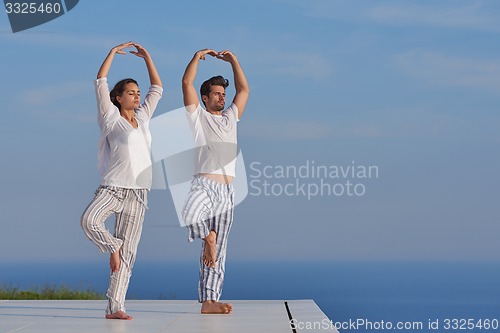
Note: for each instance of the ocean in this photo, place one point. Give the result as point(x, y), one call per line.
point(464, 295)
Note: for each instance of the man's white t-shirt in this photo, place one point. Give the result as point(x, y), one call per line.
point(124, 151)
point(216, 140)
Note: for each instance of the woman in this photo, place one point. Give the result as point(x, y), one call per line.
point(125, 167)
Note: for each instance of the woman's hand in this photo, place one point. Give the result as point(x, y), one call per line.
point(141, 51)
point(119, 48)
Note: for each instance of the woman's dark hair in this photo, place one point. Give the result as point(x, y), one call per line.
point(118, 90)
point(213, 81)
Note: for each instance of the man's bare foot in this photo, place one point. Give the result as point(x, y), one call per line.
point(119, 315)
point(209, 255)
point(114, 261)
point(214, 307)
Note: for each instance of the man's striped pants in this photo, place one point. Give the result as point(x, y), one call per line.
point(210, 206)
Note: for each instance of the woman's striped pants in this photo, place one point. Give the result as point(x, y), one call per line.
point(129, 206)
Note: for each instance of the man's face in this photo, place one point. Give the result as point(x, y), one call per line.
point(216, 100)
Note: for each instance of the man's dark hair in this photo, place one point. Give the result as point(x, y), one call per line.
point(118, 90)
point(213, 81)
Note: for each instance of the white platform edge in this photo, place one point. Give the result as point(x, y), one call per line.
point(160, 316)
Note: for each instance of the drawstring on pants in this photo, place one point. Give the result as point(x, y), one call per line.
point(140, 199)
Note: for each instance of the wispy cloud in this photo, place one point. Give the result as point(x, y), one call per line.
point(441, 69)
point(423, 121)
point(289, 130)
point(469, 15)
point(53, 94)
point(295, 130)
point(66, 41)
point(463, 14)
point(304, 65)
point(312, 65)
point(68, 100)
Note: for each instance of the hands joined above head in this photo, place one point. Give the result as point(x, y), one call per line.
point(224, 55)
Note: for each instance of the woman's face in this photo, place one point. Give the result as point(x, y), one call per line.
point(130, 98)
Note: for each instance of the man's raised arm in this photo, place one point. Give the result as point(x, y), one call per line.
point(191, 100)
point(240, 81)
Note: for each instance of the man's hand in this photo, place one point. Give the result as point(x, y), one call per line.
point(226, 56)
point(202, 53)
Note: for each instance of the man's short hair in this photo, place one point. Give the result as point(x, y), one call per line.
point(213, 81)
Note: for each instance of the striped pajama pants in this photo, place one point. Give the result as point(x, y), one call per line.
point(210, 206)
point(129, 206)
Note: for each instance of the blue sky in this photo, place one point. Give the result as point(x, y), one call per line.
point(410, 87)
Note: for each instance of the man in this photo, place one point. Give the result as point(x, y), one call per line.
point(208, 211)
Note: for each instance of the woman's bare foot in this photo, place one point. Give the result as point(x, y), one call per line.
point(119, 315)
point(209, 255)
point(214, 307)
point(114, 261)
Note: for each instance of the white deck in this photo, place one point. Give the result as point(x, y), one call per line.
point(158, 316)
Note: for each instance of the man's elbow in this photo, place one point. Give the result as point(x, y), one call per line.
point(244, 90)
